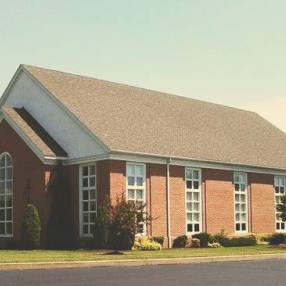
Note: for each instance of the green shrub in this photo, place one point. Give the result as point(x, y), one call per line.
point(180, 241)
point(159, 239)
point(101, 225)
point(145, 243)
point(224, 240)
point(277, 238)
point(31, 228)
point(196, 243)
point(205, 238)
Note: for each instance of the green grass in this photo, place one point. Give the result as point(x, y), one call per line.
point(13, 256)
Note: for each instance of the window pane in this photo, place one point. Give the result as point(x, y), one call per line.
point(2, 215)
point(2, 174)
point(237, 227)
point(85, 195)
point(8, 187)
point(197, 227)
point(92, 217)
point(2, 201)
point(243, 226)
point(9, 215)
point(2, 187)
point(92, 194)
point(139, 171)
point(8, 161)
point(190, 228)
point(85, 217)
point(196, 175)
point(92, 181)
point(189, 217)
point(9, 173)
point(196, 196)
point(2, 228)
point(92, 206)
point(189, 174)
point(131, 194)
point(131, 181)
point(91, 170)
point(85, 206)
point(85, 183)
point(85, 228)
point(189, 207)
point(9, 201)
point(196, 207)
point(196, 185)
point(131, 170)
point(139, 181)
point(139, 194)
point(196, 217)
point(85, 171)
point(189, 196)
point(189, 184)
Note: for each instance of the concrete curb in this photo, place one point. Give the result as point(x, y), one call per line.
point(135, 262)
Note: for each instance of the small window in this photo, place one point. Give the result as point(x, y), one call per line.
point(193, 200)
point(279, 186)
point(88, 199)
point(240, 202)
point(135, 182)
point(6, 195)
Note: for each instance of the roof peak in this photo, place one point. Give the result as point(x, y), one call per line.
point(29, 67)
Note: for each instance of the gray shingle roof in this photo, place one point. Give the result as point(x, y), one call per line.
point(133, 119)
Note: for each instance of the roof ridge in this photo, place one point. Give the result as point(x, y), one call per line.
point(137, 87)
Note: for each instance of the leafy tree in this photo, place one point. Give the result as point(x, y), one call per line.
point(59, 229)
point(282, 208)
point(31, 228)
point(116, 225)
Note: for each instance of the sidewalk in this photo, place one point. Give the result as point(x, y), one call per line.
point(121, 263)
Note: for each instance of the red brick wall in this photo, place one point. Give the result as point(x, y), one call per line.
point(262, 205)
point(177, 198)
point(157, 190)
point(219, 212)
point(117, 179)
point(29, 179)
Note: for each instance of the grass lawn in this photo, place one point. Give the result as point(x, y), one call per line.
point(11, 256)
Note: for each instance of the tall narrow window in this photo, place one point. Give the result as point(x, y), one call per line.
point(88, 199)
point(240, 202)
point(6, 195)
point(193, 200)
point(279, 184)
point(135, 177)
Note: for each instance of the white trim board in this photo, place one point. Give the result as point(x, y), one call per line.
point(133, 157)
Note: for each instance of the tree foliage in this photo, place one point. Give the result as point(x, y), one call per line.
point(31, 228)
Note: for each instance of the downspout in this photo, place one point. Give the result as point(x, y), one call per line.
point(168, 203)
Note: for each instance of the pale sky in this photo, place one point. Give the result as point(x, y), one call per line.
point(230, 52)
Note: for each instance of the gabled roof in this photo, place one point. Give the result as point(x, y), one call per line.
point(33, 131)
point(136, 120)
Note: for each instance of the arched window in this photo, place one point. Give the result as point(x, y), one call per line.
point(6, 195)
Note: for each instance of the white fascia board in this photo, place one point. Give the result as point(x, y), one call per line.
point(44, 159)
point(185, 162)
point(66, 110)
point(8, 88)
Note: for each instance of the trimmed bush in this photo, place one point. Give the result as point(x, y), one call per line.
point(205, 238)
point(145, 243)
point(159, 239)
point(31, 228)
point(180, 241)
point(196, 243)
point(277, 238)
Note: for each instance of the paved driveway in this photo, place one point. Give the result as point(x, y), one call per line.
point(258, 273)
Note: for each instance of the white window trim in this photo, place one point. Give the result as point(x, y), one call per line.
point(81, 234)
point(12, 194)
point(133, 187)
point(200, 202)
point(246, 231)
point(275, 195)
